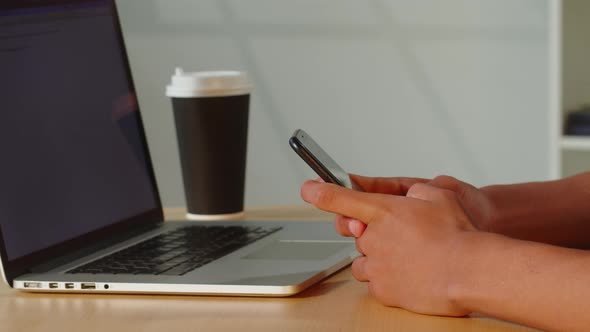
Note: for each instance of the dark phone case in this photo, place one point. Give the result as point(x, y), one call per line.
point(315, 164)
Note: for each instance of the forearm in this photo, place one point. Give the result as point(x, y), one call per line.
point(535, 284)
point(555, 212)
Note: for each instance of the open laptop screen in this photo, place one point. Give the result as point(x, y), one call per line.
point(74, 158)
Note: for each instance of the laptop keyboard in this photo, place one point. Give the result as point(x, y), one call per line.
point(178, 251)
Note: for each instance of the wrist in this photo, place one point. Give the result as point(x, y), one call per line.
point(507, 278)
point(471, 263)
point(492, 214)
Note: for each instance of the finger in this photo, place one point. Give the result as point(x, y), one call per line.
point(451, 183)
point(371, 287)
point(364, 245)
point(341, 225)
point(430, 193)
point(356, 227)
point(445, 181)
point(358, 269)
point(350, 227)
point(366, 207)
point(359, 249)
point(390, 186)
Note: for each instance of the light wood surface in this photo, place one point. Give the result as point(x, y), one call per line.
point(339, 303)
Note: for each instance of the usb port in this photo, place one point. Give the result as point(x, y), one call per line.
point(53, 285)
point(87, 285)
point(29, 284)
point(69, 285)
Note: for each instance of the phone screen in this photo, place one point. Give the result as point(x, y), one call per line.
point(320, 161)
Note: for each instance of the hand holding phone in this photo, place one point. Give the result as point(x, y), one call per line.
point(320, 161)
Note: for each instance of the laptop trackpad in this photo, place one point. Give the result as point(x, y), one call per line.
point(296, 250)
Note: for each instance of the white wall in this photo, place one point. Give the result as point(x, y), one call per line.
point(398, 87)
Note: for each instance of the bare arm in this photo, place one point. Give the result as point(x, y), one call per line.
point(555, 212)
point(531, 283)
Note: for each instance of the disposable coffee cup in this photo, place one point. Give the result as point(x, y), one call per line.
point(211, 116)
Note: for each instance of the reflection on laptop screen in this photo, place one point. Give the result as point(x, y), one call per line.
point(73, 156)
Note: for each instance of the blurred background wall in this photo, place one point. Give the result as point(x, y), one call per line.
point(576, 49)
point(575, 75)
point(388, 87)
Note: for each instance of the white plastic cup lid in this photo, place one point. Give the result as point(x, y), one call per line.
point(208, 84)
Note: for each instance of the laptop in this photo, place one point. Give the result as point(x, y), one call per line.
point(79, 206)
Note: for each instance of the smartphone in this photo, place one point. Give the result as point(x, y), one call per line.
point(320, 161)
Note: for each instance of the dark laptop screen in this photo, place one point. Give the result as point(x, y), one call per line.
point(73, 151)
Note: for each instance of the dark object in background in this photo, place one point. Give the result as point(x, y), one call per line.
point(578, 122)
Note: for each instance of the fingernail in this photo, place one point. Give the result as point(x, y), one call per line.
point(355, 227)
point(307, 193)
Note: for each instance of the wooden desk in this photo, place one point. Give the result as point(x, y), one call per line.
point(339, 303)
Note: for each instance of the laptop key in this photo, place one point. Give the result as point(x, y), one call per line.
point(177, 252)
point(179, 269)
